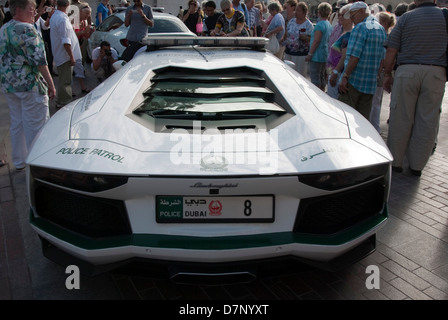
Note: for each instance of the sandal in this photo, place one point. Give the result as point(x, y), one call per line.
point(2, 163)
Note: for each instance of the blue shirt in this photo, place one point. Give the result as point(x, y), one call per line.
point(321, 53)
point(277, 21)
point(104, 13)
point(366, 43)
point(243, 9)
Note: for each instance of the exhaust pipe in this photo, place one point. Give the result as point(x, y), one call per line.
point(211, 278)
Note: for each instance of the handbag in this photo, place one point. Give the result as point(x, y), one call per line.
point(273, 44)
point(199, 28)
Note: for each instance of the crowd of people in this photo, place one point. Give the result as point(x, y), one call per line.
point(353, 53)
point(41, 39)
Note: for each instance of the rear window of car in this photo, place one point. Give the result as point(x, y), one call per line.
point(167, 25)
point(110, 23)
point(214, 95)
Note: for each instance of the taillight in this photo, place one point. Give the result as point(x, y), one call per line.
point(78, 181)
point(344, 179)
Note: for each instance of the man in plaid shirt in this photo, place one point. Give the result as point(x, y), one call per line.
point(365, 51)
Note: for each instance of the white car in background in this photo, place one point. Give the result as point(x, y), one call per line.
point(113, 30)
point(200, 154)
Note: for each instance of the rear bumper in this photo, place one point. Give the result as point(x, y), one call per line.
point(178, 257)
point(211, 273)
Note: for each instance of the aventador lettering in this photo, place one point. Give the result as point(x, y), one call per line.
point(98, 152)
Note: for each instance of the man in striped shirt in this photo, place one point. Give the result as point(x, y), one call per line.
point(365, 51)
point(417, 44)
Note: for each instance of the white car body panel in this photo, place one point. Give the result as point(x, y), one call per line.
point(329, 125)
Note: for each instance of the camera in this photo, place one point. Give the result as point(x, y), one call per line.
point(48, 9)
point(108, 52)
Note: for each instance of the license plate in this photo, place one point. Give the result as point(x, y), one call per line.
point(214, 209)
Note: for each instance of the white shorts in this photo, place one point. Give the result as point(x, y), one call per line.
point(78, 70)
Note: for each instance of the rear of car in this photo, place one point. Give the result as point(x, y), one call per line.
point(207, 159)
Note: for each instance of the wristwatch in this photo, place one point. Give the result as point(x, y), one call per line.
point(336, 72)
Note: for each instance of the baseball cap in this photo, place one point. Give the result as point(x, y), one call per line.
point(358, 5)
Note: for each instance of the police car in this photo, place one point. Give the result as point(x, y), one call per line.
point(207, 153)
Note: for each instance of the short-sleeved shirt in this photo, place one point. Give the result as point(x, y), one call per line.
point(321, 53)
point(242, 7)
point(366, 43)
point(104, 62)
point(96, 54)
point(22, 51)
point(336, 50)
point(229, 25)
point(138, 29)
point(62, 32)
point(420, 36)
point(104, 13)
point(277, 21)
point(254, 18)
point(210, 23)
point(293, 44)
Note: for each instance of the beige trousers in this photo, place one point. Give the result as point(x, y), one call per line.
point(415, 104)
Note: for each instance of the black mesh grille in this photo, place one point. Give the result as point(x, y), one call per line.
point(93, 217)
point(330, 214)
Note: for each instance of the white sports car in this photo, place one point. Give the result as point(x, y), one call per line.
point(207, 152)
